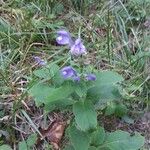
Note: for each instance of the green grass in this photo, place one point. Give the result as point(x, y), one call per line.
point(114, 34)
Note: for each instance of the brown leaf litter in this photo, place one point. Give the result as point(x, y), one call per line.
point(53, 134)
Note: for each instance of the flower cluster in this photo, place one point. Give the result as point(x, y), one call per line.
point(76, 49)
point(69, 72)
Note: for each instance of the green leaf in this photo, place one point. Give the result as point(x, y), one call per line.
point(80, 140)
point(42, 73)
point(57, 79)
point(59, 104)
point(120, 140)
point(118, 109)
point(103, 148)
point(69, 147)
point(104, 93)
point(110, 109)
point(60, 93)
point(52, 97)
point(58, 8)
point(23, 145)
point(47, 72)
point(98, 136)
point(50, 72)
point(5, 147)
point(31, 140)
point(121, 110)
point(40, 92)
point(81, 89)
point(107, 78)
point(5, 26)
point(85, 115)
point(106, 87)
point(92, 148)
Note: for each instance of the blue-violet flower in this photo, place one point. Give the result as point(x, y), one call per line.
point(76, 78)
point(90, 77)
point(39, 61)
point(78, 48)
point(68, 72)
point(64, 38)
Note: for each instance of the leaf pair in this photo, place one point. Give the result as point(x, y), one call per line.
point(99, 140)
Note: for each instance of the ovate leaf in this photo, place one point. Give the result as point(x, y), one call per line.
point(80, 140)
point(60, 93)
point(5, 147)
point(47, 72)
point(52, 97)
point(110, 109)
point(92, 148)
point(40, 92)
point(43, 73)
point(81, 89)
point(85, 115)
point(120, 140)
point(23, 145)
point(60, 104)
point(31, 140)
point(104, 93)
point(121, 110)
point(98, 136)
point(107, 78)
point(106, 87)
point(69, 147)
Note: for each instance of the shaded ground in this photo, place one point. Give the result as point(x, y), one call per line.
point(23, 128)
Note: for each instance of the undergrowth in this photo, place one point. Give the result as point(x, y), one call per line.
point(116, 35)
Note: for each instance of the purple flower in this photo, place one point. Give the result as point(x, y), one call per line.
point(76, 78)
point(90, 77)
point(64, 38)
point(78, 48)
point(68, 72)
point(39, 61)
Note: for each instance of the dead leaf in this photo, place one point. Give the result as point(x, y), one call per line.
point(53, 133)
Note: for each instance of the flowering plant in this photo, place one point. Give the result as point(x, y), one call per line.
point(83, 91)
